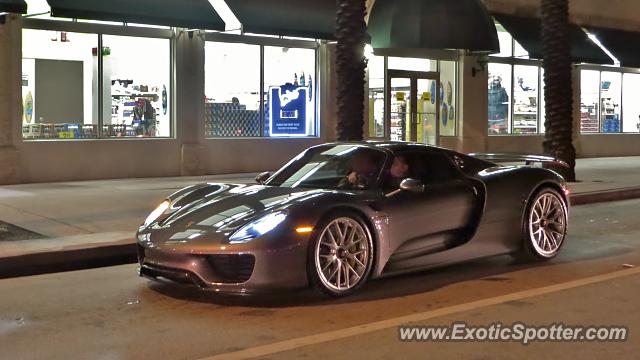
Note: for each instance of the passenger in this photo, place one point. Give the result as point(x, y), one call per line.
point(399, 171)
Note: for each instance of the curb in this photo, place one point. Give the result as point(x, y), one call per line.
point(67, 260)
point(605, 196)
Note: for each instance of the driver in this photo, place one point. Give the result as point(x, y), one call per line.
point(363, 172)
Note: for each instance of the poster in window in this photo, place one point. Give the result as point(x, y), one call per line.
point(288, 110)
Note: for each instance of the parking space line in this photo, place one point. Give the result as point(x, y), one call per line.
point(292, 344)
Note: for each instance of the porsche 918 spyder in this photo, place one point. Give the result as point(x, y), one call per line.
point(340, 214)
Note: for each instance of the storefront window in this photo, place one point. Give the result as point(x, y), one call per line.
point(519, 51)
point(289, 87)
point(506, 42)
point(235, 106)
point(610, 100)
point(448, 107)
point(59, 85)
point(232, 90)
point(542, 103)
point(499, 98)
point(137, 85)
point(376, 96)
point(525, 99)
point(62, 96)
point(630, 103)
point(589, 98)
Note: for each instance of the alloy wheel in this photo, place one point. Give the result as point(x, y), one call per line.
point(547, 224)
point(342, 254)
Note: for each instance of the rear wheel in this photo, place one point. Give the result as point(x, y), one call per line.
point(545, 226)
point(341, 255)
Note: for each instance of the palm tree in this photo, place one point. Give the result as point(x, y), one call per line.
point(558, 95)
point(350, 64)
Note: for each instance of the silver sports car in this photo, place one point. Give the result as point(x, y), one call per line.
point(340, 214)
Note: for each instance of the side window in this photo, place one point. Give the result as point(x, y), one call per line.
point(432, 167)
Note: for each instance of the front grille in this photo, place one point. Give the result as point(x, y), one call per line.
point(232, 268)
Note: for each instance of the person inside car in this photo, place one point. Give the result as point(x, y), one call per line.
point(362, 173)
point(399, 171)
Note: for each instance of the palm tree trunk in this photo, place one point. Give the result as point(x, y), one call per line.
point(350, 65)
point(558, 95)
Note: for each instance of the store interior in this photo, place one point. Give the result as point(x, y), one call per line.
point(61, 91)
point(233, 96)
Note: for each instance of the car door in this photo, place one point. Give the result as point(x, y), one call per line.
point(435, 219)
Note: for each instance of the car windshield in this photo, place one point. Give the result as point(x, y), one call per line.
point(345, 166)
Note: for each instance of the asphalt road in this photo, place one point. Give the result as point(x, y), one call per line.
point(110, 313)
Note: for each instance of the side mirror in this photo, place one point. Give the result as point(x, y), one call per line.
point(412, 185)
point(262, 177)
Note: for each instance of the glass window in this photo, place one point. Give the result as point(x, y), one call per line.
point(610, 100)
point(506, 42)
point(499, 89)
point(630, 103)
point(289, 85)
point(331, 167)
point(525, 99)
point(411, 64)
point(137, 85)
point(376, 96)
point(59, 85)
point(448, 107)
point(519, 51)
point(232, 90)
point(589, 98)
point(40, 9)
point(542, 103)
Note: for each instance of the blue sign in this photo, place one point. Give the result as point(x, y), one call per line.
point(288, 110)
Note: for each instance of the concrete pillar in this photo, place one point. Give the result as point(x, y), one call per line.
point(473, 117)
point(189, 95)
point(10, 99)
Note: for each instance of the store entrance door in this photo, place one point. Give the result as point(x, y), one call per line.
point(412, 105)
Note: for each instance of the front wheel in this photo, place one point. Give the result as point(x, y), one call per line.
point(341, 255)
point(545, 226)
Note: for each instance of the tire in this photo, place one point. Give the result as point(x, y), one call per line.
point(341, 244)
point(544, 227)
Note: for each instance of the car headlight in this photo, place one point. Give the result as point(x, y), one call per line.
point(257, 227)
point(155, 214)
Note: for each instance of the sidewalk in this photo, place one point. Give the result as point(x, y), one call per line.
point(86, 218)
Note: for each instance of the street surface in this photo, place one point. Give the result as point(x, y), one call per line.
point(110, 313)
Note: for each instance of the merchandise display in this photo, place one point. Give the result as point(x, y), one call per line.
point(525, 100)
point(399, 115)
point(610, 116)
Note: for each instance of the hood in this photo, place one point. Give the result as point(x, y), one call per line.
point(217, 210)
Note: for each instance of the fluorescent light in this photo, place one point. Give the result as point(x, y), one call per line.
point(231, 22)
point(596, 41)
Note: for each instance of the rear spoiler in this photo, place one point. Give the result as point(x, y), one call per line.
point(528, 159)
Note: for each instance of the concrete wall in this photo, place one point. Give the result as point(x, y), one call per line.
point(10, 99)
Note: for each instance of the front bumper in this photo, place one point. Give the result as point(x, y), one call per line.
point(237, 271)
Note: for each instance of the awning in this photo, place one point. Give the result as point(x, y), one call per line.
point(311, 19)
point(13, 6)
point(528, 33)
point(624, 45)
point(190, 14)
point(432, 24)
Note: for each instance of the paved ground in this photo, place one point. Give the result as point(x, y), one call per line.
point(109, 313)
